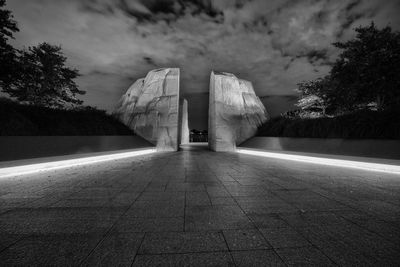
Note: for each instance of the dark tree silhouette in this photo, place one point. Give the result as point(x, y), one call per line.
point(368, 70)
point(366, 74)
point(37, 75)
point(44, 79)
point(8, 56)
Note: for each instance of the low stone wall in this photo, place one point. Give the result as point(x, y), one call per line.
point(387, 149)
point(29, 147)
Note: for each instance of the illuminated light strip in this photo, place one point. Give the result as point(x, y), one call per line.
point(56, 165)
point(367, 166)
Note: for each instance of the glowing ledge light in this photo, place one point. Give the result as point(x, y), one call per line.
point(55, 165)
point(386, 168)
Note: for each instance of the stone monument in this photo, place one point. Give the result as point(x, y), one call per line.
point(235, 112)
point(150, 108)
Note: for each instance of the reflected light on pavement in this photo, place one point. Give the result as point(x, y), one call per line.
point(367, 166)
point(55, 165)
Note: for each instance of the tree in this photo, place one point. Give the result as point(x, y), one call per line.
point(313, 96)
point(44, 80)
point(7, 53)
point(368, 69)
point(366, 73)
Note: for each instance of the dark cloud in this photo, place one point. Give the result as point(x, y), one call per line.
point(152, 10)
point(317, 55)
point(149, 61)
point(97, 6)
point(275, 43)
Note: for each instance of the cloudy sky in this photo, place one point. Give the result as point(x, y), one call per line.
point(273, 43)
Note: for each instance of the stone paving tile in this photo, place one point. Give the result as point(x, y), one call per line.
point(304, 256)
point(257, 258)
point(271, 186)
point(224, 201)
point(267, 220)
point(248, 239)
point(49, 250)
point(252, 199)
point(267, 208)
point(125, 199)
point(10, 204)
point(243, 191)
point(284, 237)
point(58, 220)
point(326, 205)
point(294, 196)
point(304, 219)
point(204, 218)
point(249, 181)
point(155, 209)
point(8, 239)
point(201, 178)
point(82, 203)
point(217, 192)
point(182, 242)
point(156, 188)
point(367, 243)
point(226, 178)
point(162, 196)
point(197, 199)
point(116, 249)
point(190, 259)
point(186, 187)
point(334, 247)
point(95, 193)
point(344, 256)
point(379, 227)
point(46, 201)
point(141, 225)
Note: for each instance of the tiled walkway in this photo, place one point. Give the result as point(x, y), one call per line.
point(200, 208)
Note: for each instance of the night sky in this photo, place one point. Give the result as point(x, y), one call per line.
point(275, 44)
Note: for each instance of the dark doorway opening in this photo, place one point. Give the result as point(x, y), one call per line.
point(198, 136)
point(198, 117)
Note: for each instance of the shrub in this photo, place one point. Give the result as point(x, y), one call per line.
point(17, 119)
point(364, 124)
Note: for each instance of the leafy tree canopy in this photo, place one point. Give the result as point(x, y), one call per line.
point(7, 53)
point(365, 74)
point(37, 75)
point(7, 24)
point(44, 79)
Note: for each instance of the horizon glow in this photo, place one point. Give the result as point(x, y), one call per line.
point(56, 165)
point(366, 166)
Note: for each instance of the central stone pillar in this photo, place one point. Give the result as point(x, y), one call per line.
point(235, 112)
point(184, 122)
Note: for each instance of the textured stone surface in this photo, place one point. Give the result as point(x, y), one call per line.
point(150, 107)
point(184, 122)
point(235, 112)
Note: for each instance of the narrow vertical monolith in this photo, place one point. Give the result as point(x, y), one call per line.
point(184, 122)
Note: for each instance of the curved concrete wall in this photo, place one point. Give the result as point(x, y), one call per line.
point(29, 147)
point(389, 149)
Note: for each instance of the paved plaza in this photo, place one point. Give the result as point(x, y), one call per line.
point(200, 208)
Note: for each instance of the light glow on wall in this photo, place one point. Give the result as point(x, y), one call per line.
point(56, 165)
point(366, 166)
